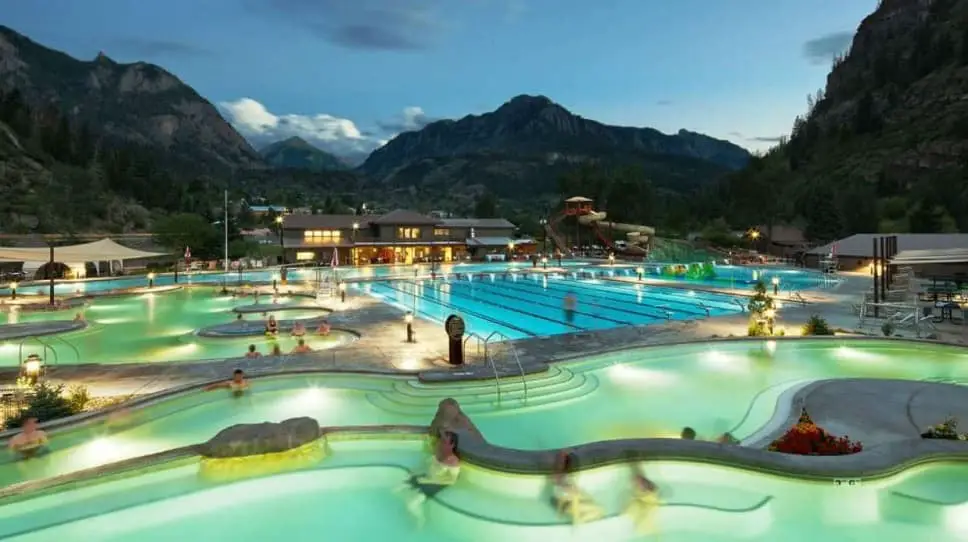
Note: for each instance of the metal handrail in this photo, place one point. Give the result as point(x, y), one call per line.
point(77, 353)
point(497, 378)
point(480, 342)
point(514, 351)
point(20, 352)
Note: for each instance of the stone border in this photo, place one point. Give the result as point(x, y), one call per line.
point(285, 326)
point(280, 307)
point(63, 326)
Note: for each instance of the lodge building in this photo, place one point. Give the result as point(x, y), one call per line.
point(402, 237)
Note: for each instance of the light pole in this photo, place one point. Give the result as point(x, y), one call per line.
point(611, 259)
point(776, 285)
point(544, 262)
point(151, 280)
point(356, 226)
point(640, 272)
point(282, 243)
point(13, 290)
point(342, 292)
point(510, 250)
point(544, 235)
point(408, 318)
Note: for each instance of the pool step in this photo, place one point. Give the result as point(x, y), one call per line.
point(415, 388)
point(576, 387)
point(510, 388)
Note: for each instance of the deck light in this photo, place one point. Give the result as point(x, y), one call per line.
point(151, 280)
point(776, 285)
point(640, 272)
point(13, 290)
point(611, 259)
point(544, 262)
point(31, 368)
point(342, 292)
point(408, 318)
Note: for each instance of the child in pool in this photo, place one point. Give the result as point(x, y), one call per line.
point(643, 503)
point(566, 497)
point(442, 473)
point(30, 442)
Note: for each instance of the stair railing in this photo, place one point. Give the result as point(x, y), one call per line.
point(513, 353)
point(478, 339)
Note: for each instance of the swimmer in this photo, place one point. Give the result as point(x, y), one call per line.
point(298, 329)
point(443, 472)
point(450, 417)
point(727, 438)
point(643, 503)
point(30, 442)
point(323, 328)
point(566, 497)
point(238, 385)
point(688, 433)
point(253, 353)
point(301, 347)
point(272, 326)
point(238, 317)
point(79, 317)
point(570, 305)
point(276, 350)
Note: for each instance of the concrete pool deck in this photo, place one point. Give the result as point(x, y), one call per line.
point(382, 347)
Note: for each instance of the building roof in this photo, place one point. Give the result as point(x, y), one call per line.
point(861, 244)
point(921, 257)
point(475, 223)
point(311, 222)
point(578, 199)
point(789, 235)
point(402, 216)
point(266, 208)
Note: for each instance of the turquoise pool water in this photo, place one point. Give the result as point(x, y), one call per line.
point(520, 307)
point(727, 386)
point(352, 495)
point(156, 327)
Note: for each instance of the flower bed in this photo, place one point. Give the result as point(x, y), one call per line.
point(807, 438)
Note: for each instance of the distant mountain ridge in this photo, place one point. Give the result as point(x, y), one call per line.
point(530, 125)
point(297, 153)
point(137, 103)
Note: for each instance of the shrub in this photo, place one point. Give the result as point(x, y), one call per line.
point(816, 325)
point(947, 430)
point(887, 328)
point(807, 438)
point(46, 403)
point(78, 397)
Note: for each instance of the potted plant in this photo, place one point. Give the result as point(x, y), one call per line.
point(807, 438)
point(946, 430)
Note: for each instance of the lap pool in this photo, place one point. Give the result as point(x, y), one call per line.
point(649, 392)
point(519, 306)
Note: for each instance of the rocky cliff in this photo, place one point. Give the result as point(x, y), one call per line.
point(531, 136)
point(884, 146)
point(137, 103)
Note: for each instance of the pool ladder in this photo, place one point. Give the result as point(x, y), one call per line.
point(497, 335)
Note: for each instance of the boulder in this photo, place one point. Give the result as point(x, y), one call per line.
point(261, 438)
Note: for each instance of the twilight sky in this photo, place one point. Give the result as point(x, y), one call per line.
point(349, 74)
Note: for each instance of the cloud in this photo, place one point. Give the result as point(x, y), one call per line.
point(152, 48)
point(336, 135)
point(823, 49)
point(767, 139)
point(736, 134)
point(663, 103)
point(376, 25)
point(412, 118)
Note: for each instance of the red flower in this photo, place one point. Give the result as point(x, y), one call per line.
point(806, 438)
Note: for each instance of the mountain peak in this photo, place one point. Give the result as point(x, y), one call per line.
point(297, 153)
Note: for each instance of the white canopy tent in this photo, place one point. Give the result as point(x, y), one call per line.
point(97, 251)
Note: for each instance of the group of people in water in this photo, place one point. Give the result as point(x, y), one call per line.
point(298, 331)
point(566, 497)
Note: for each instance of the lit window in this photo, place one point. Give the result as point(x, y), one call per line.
point(441, 232)
point(408, 233)
point(305, 256)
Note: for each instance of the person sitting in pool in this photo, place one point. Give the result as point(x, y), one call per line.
point(727, 438)
point(301, 347)
point(253, 353)
point(570, 304)
point(238, 385)
point(276, 350)
point(688, 433)
point(30, 442)
point(79, 317)
point(450, 417)
point(443, 472)
point(323, 328)
point(272, 327)
point(298, 329)
point(566, 497)
point(644, 501)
